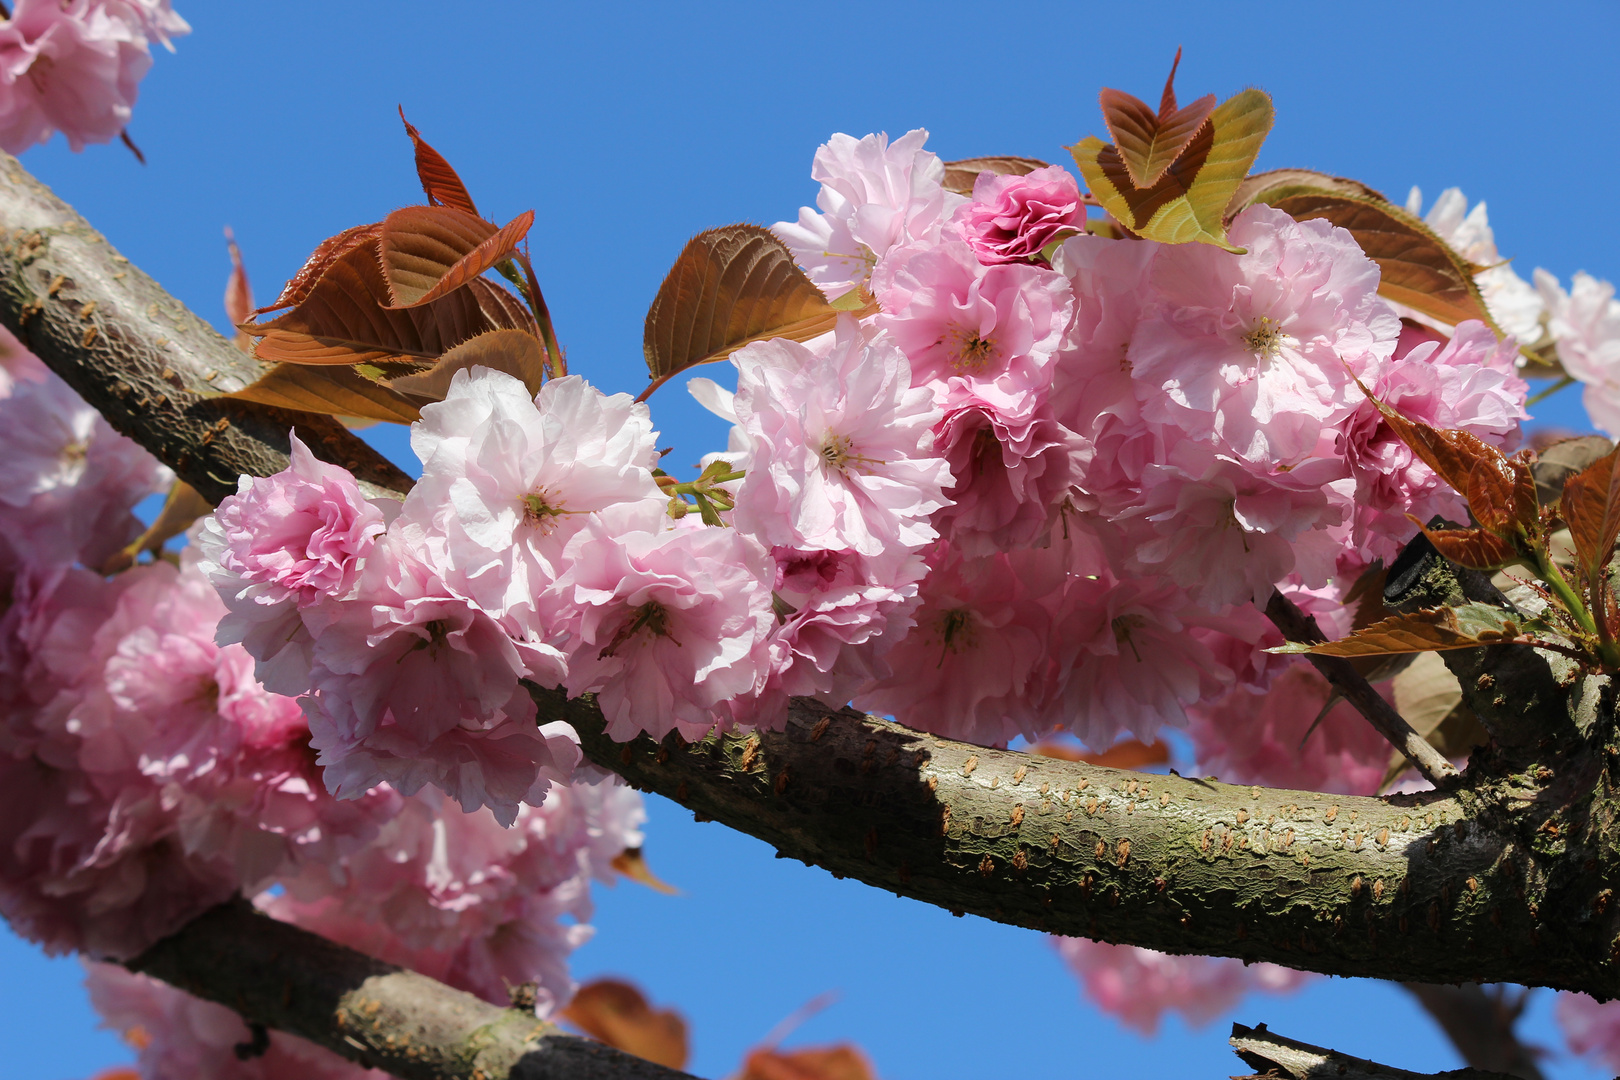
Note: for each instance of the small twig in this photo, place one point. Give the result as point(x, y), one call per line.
point(1298, 626)
point(1537, 398)
point(1273, 1057)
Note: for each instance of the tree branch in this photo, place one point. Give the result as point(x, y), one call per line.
point(375, 1014)
point(1273, 1056)
point(1480, 1025)
point(1298, 626)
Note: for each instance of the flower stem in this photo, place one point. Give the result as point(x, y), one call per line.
point(1543, 395)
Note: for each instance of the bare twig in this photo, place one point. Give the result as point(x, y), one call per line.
point(1298, 626)
point(1273, 1057)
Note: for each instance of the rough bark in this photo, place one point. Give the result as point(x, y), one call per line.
point(1503, 877)
point(1273, 1057)
point(376, 1014)
point(152, 368)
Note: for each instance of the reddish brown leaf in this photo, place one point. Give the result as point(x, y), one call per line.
point(333, 391)
point(1273, 184)
point(431, 251)
point(960, 176)
point(238, 293)
point(516, 352)
point(1149, 142)
point(730, 286)
point(346, 319)
point(632, 864)
point(1129, 754)
point(1451, 454)
point(1502, 495)
point(841, 1062)
point(1591, 506)
point(1557, 461)
point(439, 180)
point(1430, 630)
point(618, 1014)
point(328, 252)
point(1478, 549)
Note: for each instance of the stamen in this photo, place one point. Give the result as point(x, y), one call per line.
point(1265, 339)
point(1123, 625)
point(970, 353)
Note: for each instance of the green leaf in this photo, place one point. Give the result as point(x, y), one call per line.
point(1187, 203)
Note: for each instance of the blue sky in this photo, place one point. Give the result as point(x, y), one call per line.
point(629, 127)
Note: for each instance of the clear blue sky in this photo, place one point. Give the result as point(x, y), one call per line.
point(629, 127)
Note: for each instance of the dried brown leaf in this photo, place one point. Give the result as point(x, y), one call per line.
point(516, 352)
point(633, 864)
point(618, 1014)
point(960, 176)
point(430, 251)
point(346, 319)
point(731, 286)
point(328, 252)
point(1591, 507)
point(439, 180)
point(841, 1062)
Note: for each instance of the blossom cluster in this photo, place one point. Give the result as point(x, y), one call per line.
point(146, 774)
point(75, 66)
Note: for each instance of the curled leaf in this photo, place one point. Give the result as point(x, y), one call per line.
point(960, 176)
point(332, 391)
point(731, 286)
point(618, 1014)
point(439, 181)
point(1188, 201)
point(1477, 549)
point(516, 352)
point(1430, 630)
point(1502, 495)
point(430, 251)
point(320, 260)
point(1591, 507)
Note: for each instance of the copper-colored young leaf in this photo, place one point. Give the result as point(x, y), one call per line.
point(516, 352)
point(960, 176)
point(238, 293)
point(334, 391)
point(1477, 549)
point(1502, 495)
point(1591, 507)
point(1149, 141)
point(1188, 201)
point(618, 1014)
point(841, 1062)
point(431, 251)
point(325, 254)
point(633, 864)
point(730, 286)
point(183, 506)
point(1265, 187)
point(1129, 754)
point(1450, 453)
point(1416, 267)
point(1557, 463)
point(1430, 630)
point(346, 319)
point(439, 180)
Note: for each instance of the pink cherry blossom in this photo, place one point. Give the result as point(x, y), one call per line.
point(1585, 324)
point(841, 446)
point(508, 478)
point(74, 66)
point(977, 335)
point(1592, 1029)
point(1512, 301)
point(283, 550)
point(874, 197)
point(1260, 738)
point(1257, 351)
point(1011, 479)
point(1466, 383)
point(1138, 986)
point(1013, 218)
point(667, 624)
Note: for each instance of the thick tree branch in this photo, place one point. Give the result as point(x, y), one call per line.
point(152, 368)
point(376, 1014)
point(1273, 1057)
point(1295, 625)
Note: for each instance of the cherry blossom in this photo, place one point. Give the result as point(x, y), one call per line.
point(1585, 323)
point(1014, 218)
point(1512, 302)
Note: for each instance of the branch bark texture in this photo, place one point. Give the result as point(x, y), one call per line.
point(376, 1014)
point(1274, 1057)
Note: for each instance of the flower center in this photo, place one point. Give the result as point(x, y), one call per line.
point(438, 633)
point(540, 513)
point(1265, 340)
point(970, 353)
point(955, 631)
point(651, 616)
point(74, 453)
point(1123, 625)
